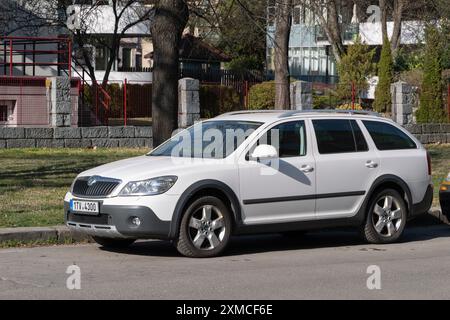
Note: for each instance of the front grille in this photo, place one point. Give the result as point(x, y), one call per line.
point(101, 188)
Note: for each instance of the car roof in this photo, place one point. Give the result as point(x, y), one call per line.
point(269, 116)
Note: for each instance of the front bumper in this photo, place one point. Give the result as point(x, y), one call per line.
point(114, 221)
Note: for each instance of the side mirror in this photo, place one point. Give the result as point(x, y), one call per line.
point(264, 152)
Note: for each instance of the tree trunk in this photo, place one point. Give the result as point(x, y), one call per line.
point(171, 17)
point(397, 30)
point(335, 30)
point(329, 22)
point(383, 9)
point(282, 34)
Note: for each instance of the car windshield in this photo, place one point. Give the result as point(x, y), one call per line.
point(208, 140)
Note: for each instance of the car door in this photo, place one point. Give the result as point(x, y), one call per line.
point(347, 165)
point(283, 189)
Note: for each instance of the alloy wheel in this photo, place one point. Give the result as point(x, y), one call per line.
point(207, 228)
point(388, 216)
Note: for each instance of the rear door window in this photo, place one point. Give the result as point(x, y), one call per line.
point(339, 136)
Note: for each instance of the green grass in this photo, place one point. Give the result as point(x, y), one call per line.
point(33, 182)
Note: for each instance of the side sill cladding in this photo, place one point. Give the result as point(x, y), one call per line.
point(198, 187)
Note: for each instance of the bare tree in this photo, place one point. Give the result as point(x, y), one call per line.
point(170, 19)
point(397, 10)
point(327, 14)
point(283, 20)
point(33, 16)
point(125, 16)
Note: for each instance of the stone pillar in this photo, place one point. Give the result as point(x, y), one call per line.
point(402, 102)
point(188, 102)
point(301, 95)
point(59, 101)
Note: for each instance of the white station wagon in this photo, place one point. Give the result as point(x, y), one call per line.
point(258, 172)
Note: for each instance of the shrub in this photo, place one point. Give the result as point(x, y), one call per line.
point(349, 106)
point(356, 67)
point(383, 99)
point(218, 99)
point(262, 96)
point(431, 100)
point(327, 100)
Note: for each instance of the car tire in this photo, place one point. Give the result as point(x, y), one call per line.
point(110, 243)
point(386, 218)
point(205, 228)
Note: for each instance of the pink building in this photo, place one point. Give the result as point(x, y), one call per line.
point(26, 101)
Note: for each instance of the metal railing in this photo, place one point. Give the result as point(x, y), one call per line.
point(21, 56)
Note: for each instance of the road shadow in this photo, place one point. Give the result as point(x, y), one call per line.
point(277, 242)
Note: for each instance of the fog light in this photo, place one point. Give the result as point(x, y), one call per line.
point(136, 222)
point(444, 188)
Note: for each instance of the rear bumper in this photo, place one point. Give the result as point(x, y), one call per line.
point(115, 222)
point(424, 206)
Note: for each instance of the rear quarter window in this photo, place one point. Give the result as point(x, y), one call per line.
point(388, 137)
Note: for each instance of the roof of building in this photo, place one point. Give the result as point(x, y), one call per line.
point(195, 49)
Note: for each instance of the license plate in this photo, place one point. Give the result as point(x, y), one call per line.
point(85, 207)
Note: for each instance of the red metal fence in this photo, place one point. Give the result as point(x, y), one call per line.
point(29, 56)
point(118, 103)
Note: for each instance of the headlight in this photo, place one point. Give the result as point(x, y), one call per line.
point(149, 187)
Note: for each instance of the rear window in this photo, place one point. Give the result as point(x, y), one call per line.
point(388, 137)
point(339, 136)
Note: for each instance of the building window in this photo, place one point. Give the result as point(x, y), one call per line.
point(3, 113)
point(138, 61)
point(271, 13)
point(298, 15)
point(126, 59)
point(101, 58)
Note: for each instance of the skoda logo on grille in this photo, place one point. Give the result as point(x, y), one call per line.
point(92, 181)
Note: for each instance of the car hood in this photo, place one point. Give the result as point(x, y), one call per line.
point(143, 167)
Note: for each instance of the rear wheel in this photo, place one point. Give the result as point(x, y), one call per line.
point(114, 243)
point(386, 218)
point(205, 228)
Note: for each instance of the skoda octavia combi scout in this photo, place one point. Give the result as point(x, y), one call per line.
point(258, 172)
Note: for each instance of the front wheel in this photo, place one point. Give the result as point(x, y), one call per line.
point(110, 243)
point(386, 218)
point(205, 228)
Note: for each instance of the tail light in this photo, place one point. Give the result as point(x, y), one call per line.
point(429, 163)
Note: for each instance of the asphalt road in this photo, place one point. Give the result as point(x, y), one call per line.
point(321, 265)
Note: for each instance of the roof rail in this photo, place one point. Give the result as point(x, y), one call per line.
point(350, 112)
point(236, 113)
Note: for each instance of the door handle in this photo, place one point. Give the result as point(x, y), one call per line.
point(307, 169)
point(371, 164)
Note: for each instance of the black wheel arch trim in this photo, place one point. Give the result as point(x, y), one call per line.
point(390, 179)
point(198, 187)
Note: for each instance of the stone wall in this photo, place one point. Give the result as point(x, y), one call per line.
point(101, 137)
point(430, 133)
point(135, 137)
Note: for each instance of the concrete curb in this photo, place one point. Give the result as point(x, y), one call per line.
point(62, 234)
point(58, 234)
